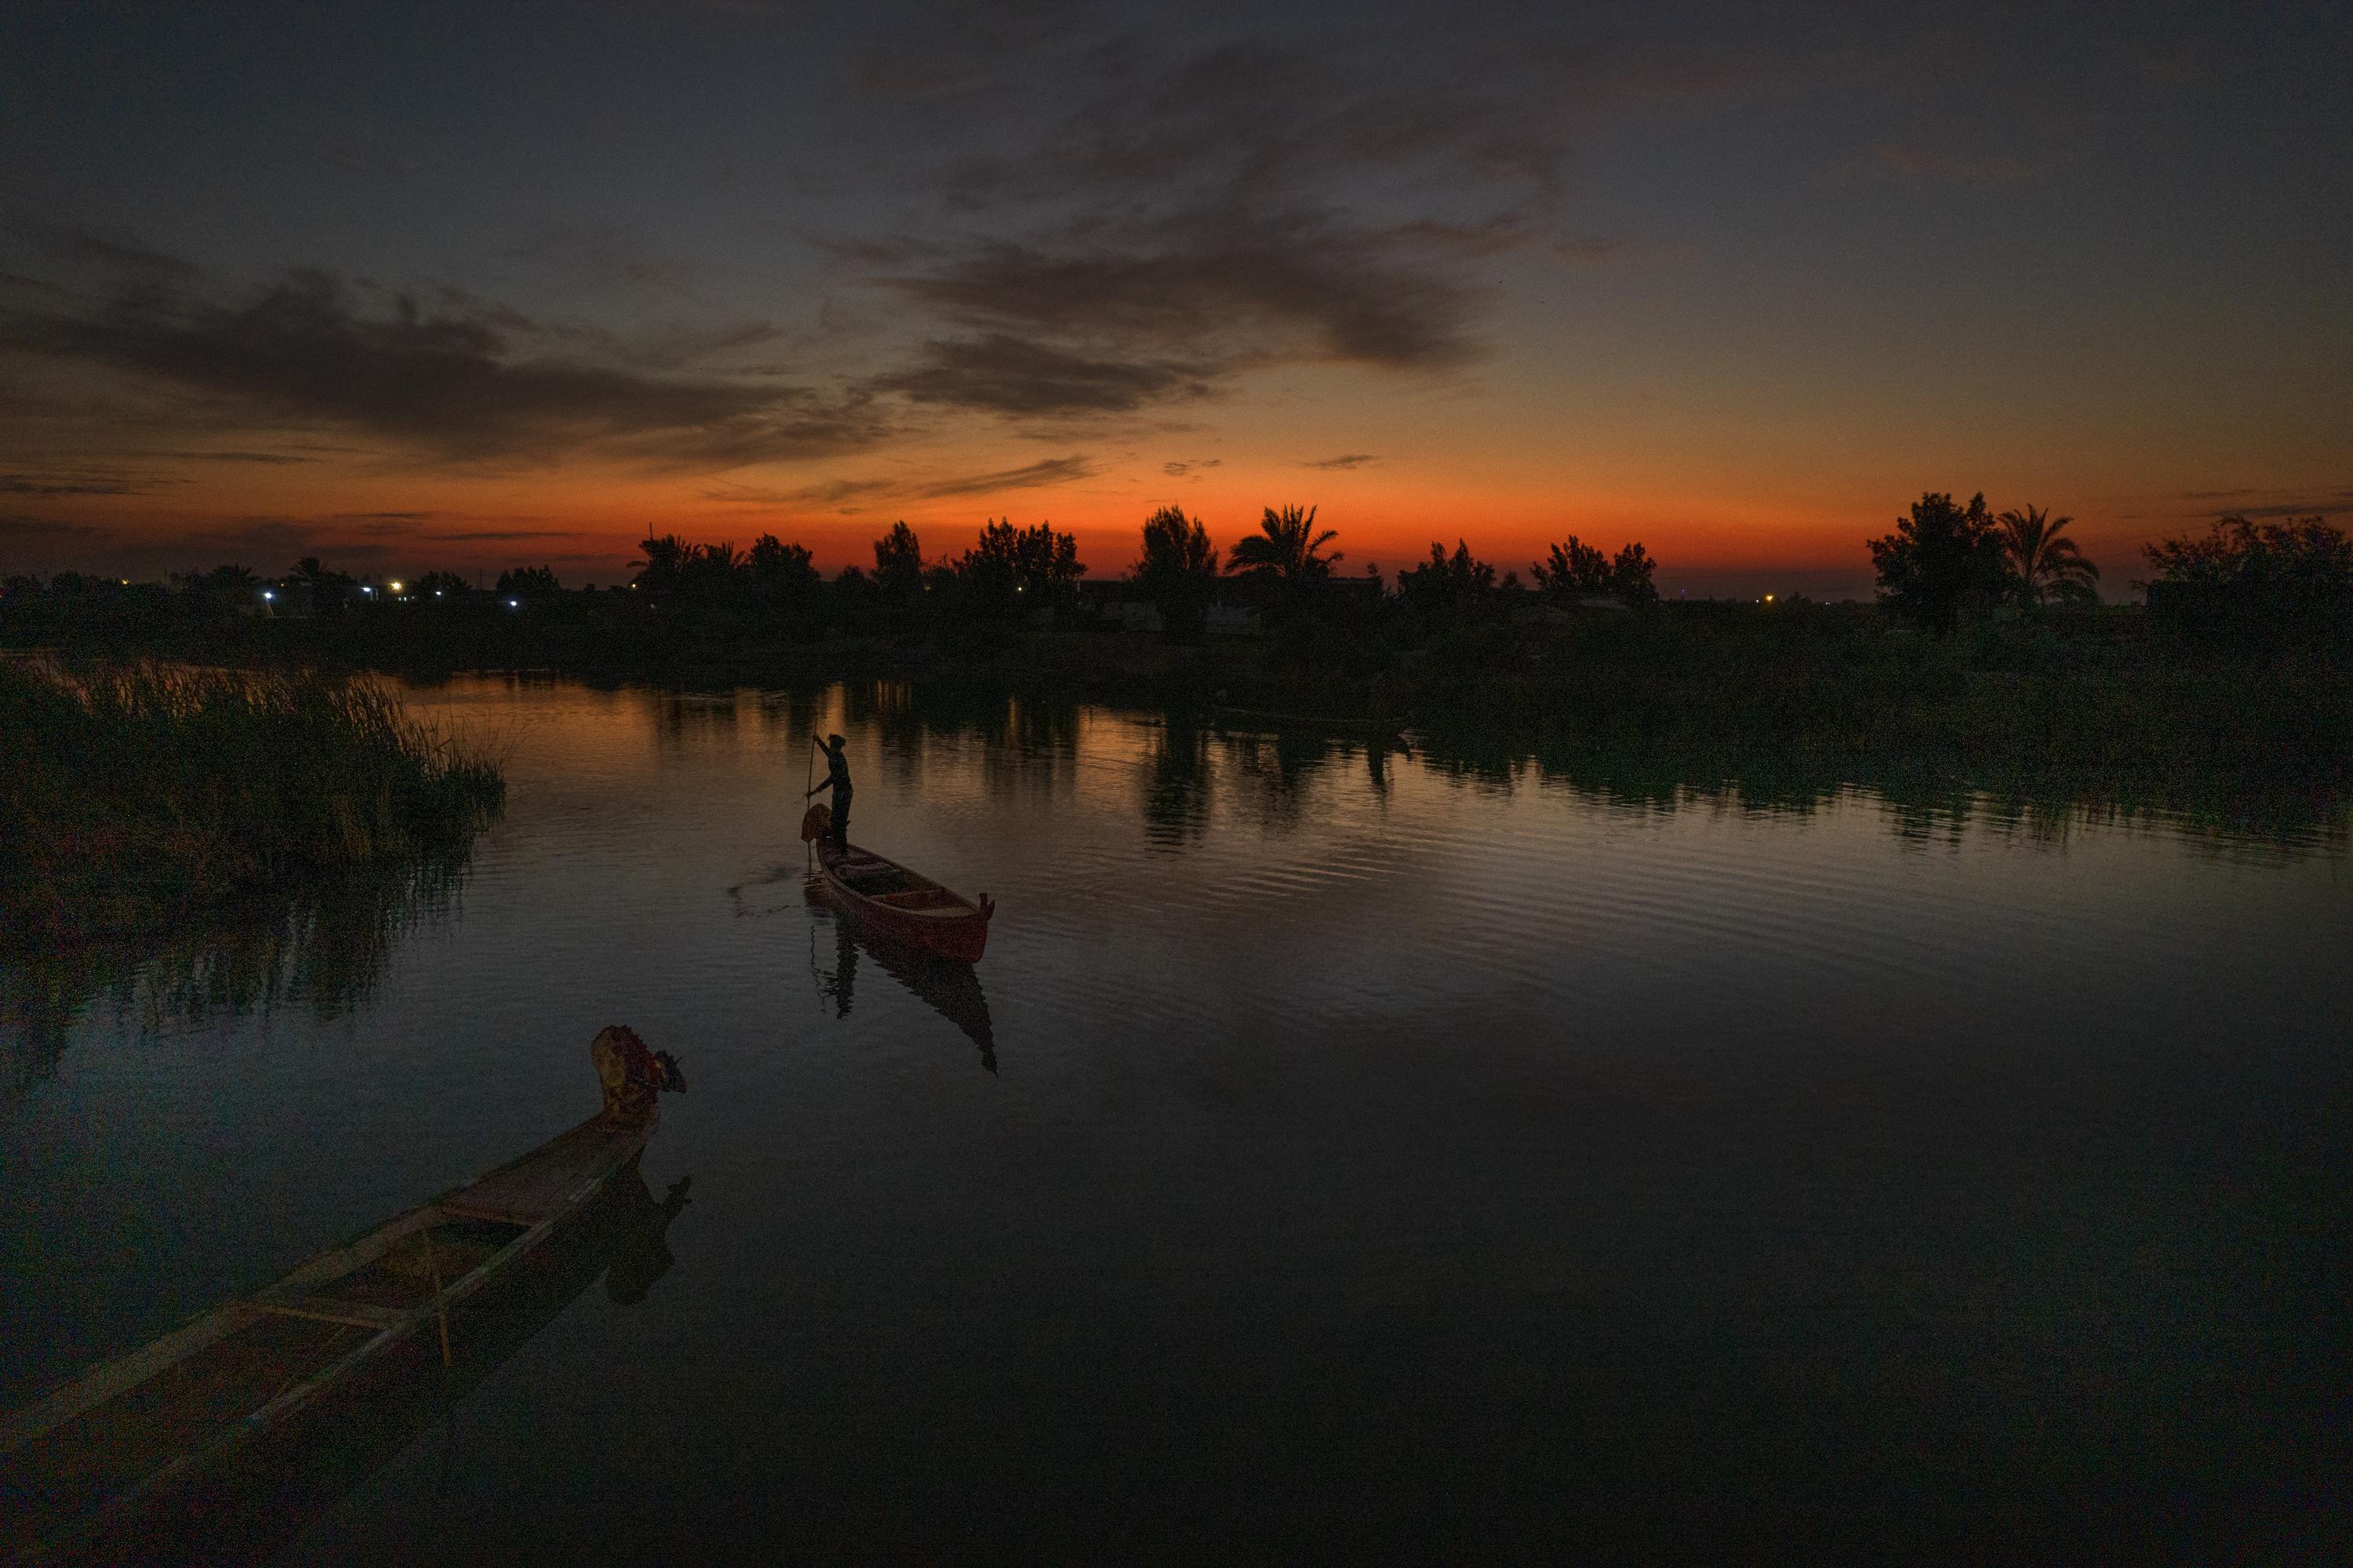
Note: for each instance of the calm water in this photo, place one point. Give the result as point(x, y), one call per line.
point(1331, 1146)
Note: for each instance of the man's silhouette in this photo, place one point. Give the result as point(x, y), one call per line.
point(836, 779)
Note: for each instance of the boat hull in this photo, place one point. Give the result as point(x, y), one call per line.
point(153, 1451)
point(960, 932)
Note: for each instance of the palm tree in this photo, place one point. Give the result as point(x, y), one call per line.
point(2045, 567)
point(666, 561)
point(1284, 549)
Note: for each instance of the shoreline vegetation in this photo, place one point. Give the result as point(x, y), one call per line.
point(1987, 656)
point(142, 795)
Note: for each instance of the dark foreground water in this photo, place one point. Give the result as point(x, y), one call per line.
point(1334, 1147)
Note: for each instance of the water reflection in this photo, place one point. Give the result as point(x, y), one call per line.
point(324, 948)
point(1177, 785)
point(1188, 762)
point(950, 989)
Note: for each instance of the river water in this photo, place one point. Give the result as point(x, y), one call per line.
point(1336, 1144)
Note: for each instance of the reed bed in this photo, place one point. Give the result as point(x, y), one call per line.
point(140, 792)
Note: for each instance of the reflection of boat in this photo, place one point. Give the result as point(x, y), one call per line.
point(897, 902)
point(950, 987)
point(198, 1436)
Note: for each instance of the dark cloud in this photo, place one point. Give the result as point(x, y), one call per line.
point(235, 457)
point(1346, 460)
point(499, 535)
point(1001, 372)
point(455, 377)
point(88, 249)
point(1275, 117)
point(826, 492)
point(1894, 161)
point(1250, 289)
point(960, 51)
point(1160, 222)
point(70, 481)
point(1590, 252)
point(2256, 502)
point(1051, 471)
point(19, 528)
point(2320, 505)
point(1179, 470)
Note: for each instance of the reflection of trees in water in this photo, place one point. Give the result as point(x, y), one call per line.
point(1928, 800)
point(788, 719)
point(1274, 770)
point(1177, 786)
point(1027, 743)
point(325, 949)
point(683, 719)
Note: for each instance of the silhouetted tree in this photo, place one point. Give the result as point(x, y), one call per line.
point(2273, 585)
point(665, 563)
point(899, 566)
point(448, 585)
point(987, 574)
point(1447, 583)
point(1575, 570)
point(220, 587)
point(328, 588)
point(2045, 567)
point(1940, 560)
point(528, 582)
point(1630, 577)
point(1572, 570)
point(1287, 550)
point(1047, 563)
point(712, 568)
point(1179, 570)
point(1011, 568)
point(784, 572)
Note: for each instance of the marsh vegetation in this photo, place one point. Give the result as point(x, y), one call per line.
point(141, 793)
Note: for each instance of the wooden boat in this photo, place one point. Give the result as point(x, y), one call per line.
point(947, 986)
point(88, 1471)
point(896, 902)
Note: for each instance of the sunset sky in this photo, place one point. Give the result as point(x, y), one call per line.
point(469, 286)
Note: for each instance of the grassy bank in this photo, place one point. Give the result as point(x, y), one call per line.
point(139, 793)
point(2091, 689)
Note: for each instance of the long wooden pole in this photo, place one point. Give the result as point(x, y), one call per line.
point(441, 1312)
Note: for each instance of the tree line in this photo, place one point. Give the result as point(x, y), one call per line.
point(2273, 585)
point(2286, 583)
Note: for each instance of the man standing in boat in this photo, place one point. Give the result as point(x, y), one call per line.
point(836, 779)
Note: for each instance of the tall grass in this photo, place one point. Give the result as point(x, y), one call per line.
point(138, 793)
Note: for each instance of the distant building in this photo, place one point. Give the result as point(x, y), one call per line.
point(1232, 621)
point(1133, 615)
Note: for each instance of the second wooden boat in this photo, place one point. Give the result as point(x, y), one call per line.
point(895, 901)
point(84, 1471)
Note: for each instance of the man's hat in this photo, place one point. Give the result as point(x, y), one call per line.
point(834, 741)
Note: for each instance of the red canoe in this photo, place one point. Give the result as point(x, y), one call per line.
point(897, 902)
